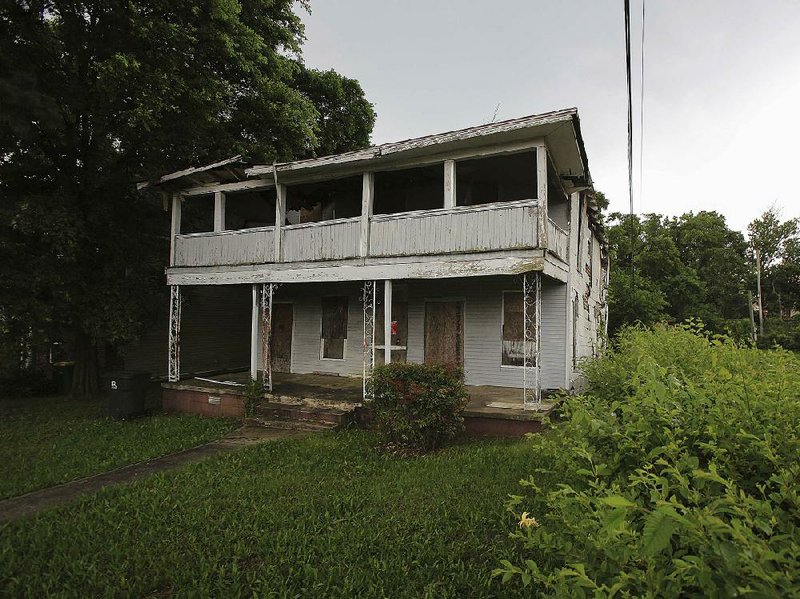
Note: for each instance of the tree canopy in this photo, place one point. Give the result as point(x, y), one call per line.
point(691, 266)
point(96, 95)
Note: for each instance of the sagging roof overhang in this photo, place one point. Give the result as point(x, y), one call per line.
point(229, 170)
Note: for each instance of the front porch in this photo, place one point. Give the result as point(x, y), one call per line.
point(491, 409)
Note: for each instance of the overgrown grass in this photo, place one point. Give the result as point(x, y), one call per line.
point(50, 440)
point(321, 516)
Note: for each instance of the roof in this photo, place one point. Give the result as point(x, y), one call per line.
point(538, 125)
point(223, 171)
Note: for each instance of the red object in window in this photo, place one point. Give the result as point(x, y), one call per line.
point(394, 327)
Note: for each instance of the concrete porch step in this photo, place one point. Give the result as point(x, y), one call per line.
point(305, 413)
point(292, 425)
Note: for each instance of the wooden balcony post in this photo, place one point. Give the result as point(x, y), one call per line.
point(541, 178)
point(219, 211)
point(280, 217)
point(449, 183)
point(367, 201)
point(175, 225)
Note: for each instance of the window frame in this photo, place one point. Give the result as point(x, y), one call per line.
point(503, 324)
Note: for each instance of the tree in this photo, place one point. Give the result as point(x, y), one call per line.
point(100, 94)
point(778, 244)
point(676, 268)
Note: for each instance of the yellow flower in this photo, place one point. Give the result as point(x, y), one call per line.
point(526, 522)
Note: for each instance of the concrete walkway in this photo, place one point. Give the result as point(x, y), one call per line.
point(22, 506)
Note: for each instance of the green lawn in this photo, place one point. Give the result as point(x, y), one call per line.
point(320, 516)
point(52, 440)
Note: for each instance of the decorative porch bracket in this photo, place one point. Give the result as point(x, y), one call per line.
point(368, 302)
point(267, 294)
point(174, 357)
point(531, 314)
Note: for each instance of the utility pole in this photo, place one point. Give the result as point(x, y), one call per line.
point(753, 334)
point(760, 303)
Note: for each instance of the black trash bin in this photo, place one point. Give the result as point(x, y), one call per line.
point(63, 375)
point(125, 391)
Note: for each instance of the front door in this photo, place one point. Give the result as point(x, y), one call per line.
point(282, 320)
point(444, 333)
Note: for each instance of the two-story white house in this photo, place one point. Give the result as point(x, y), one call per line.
point(480, 247)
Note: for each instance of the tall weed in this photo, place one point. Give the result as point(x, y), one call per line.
point(675, 475)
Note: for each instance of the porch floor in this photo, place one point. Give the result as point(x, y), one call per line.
point(484, 401)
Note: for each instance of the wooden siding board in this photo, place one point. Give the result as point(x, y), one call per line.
point(460, 230)
point(482, 349)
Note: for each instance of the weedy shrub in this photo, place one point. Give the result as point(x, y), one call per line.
point(418, 406)
point(253, 395)
point(675, 475)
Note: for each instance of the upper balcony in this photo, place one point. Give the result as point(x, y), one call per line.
point(501, 201)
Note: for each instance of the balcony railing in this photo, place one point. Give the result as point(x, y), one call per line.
point(245, 246)
point(483, 228)
point(557, 241)
point(463, 229)
point(326, 240)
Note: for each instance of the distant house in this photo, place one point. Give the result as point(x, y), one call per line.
point(479, 247)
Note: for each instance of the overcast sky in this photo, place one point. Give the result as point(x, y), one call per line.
point(722, 85)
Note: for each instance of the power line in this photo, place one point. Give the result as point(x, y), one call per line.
point(641, 120)
point(627, 6)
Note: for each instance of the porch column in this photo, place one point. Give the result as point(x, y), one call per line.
point(531, 316)
point(219, 211)
point(541, 179)
point(280, 217)
point(367, 200)
point(387, 321)
point(449, 183)
point(254, 335)
point(175, 225)
point(174, 351)
point(267, 293)
point(368, 303)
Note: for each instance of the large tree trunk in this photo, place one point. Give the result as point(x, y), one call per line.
point(84, 381)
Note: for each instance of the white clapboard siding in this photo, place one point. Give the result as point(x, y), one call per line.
point(246, 246)
point(327, 240)
point(482, 297)
point(557, 241)
point(464, 229)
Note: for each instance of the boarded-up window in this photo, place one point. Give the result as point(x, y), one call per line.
point(334, 327)
point(513, 329)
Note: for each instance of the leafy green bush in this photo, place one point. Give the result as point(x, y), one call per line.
point(675, 475)
point(418, 406)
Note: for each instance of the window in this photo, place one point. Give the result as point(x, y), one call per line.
point(513, 329)
point(334, 328)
